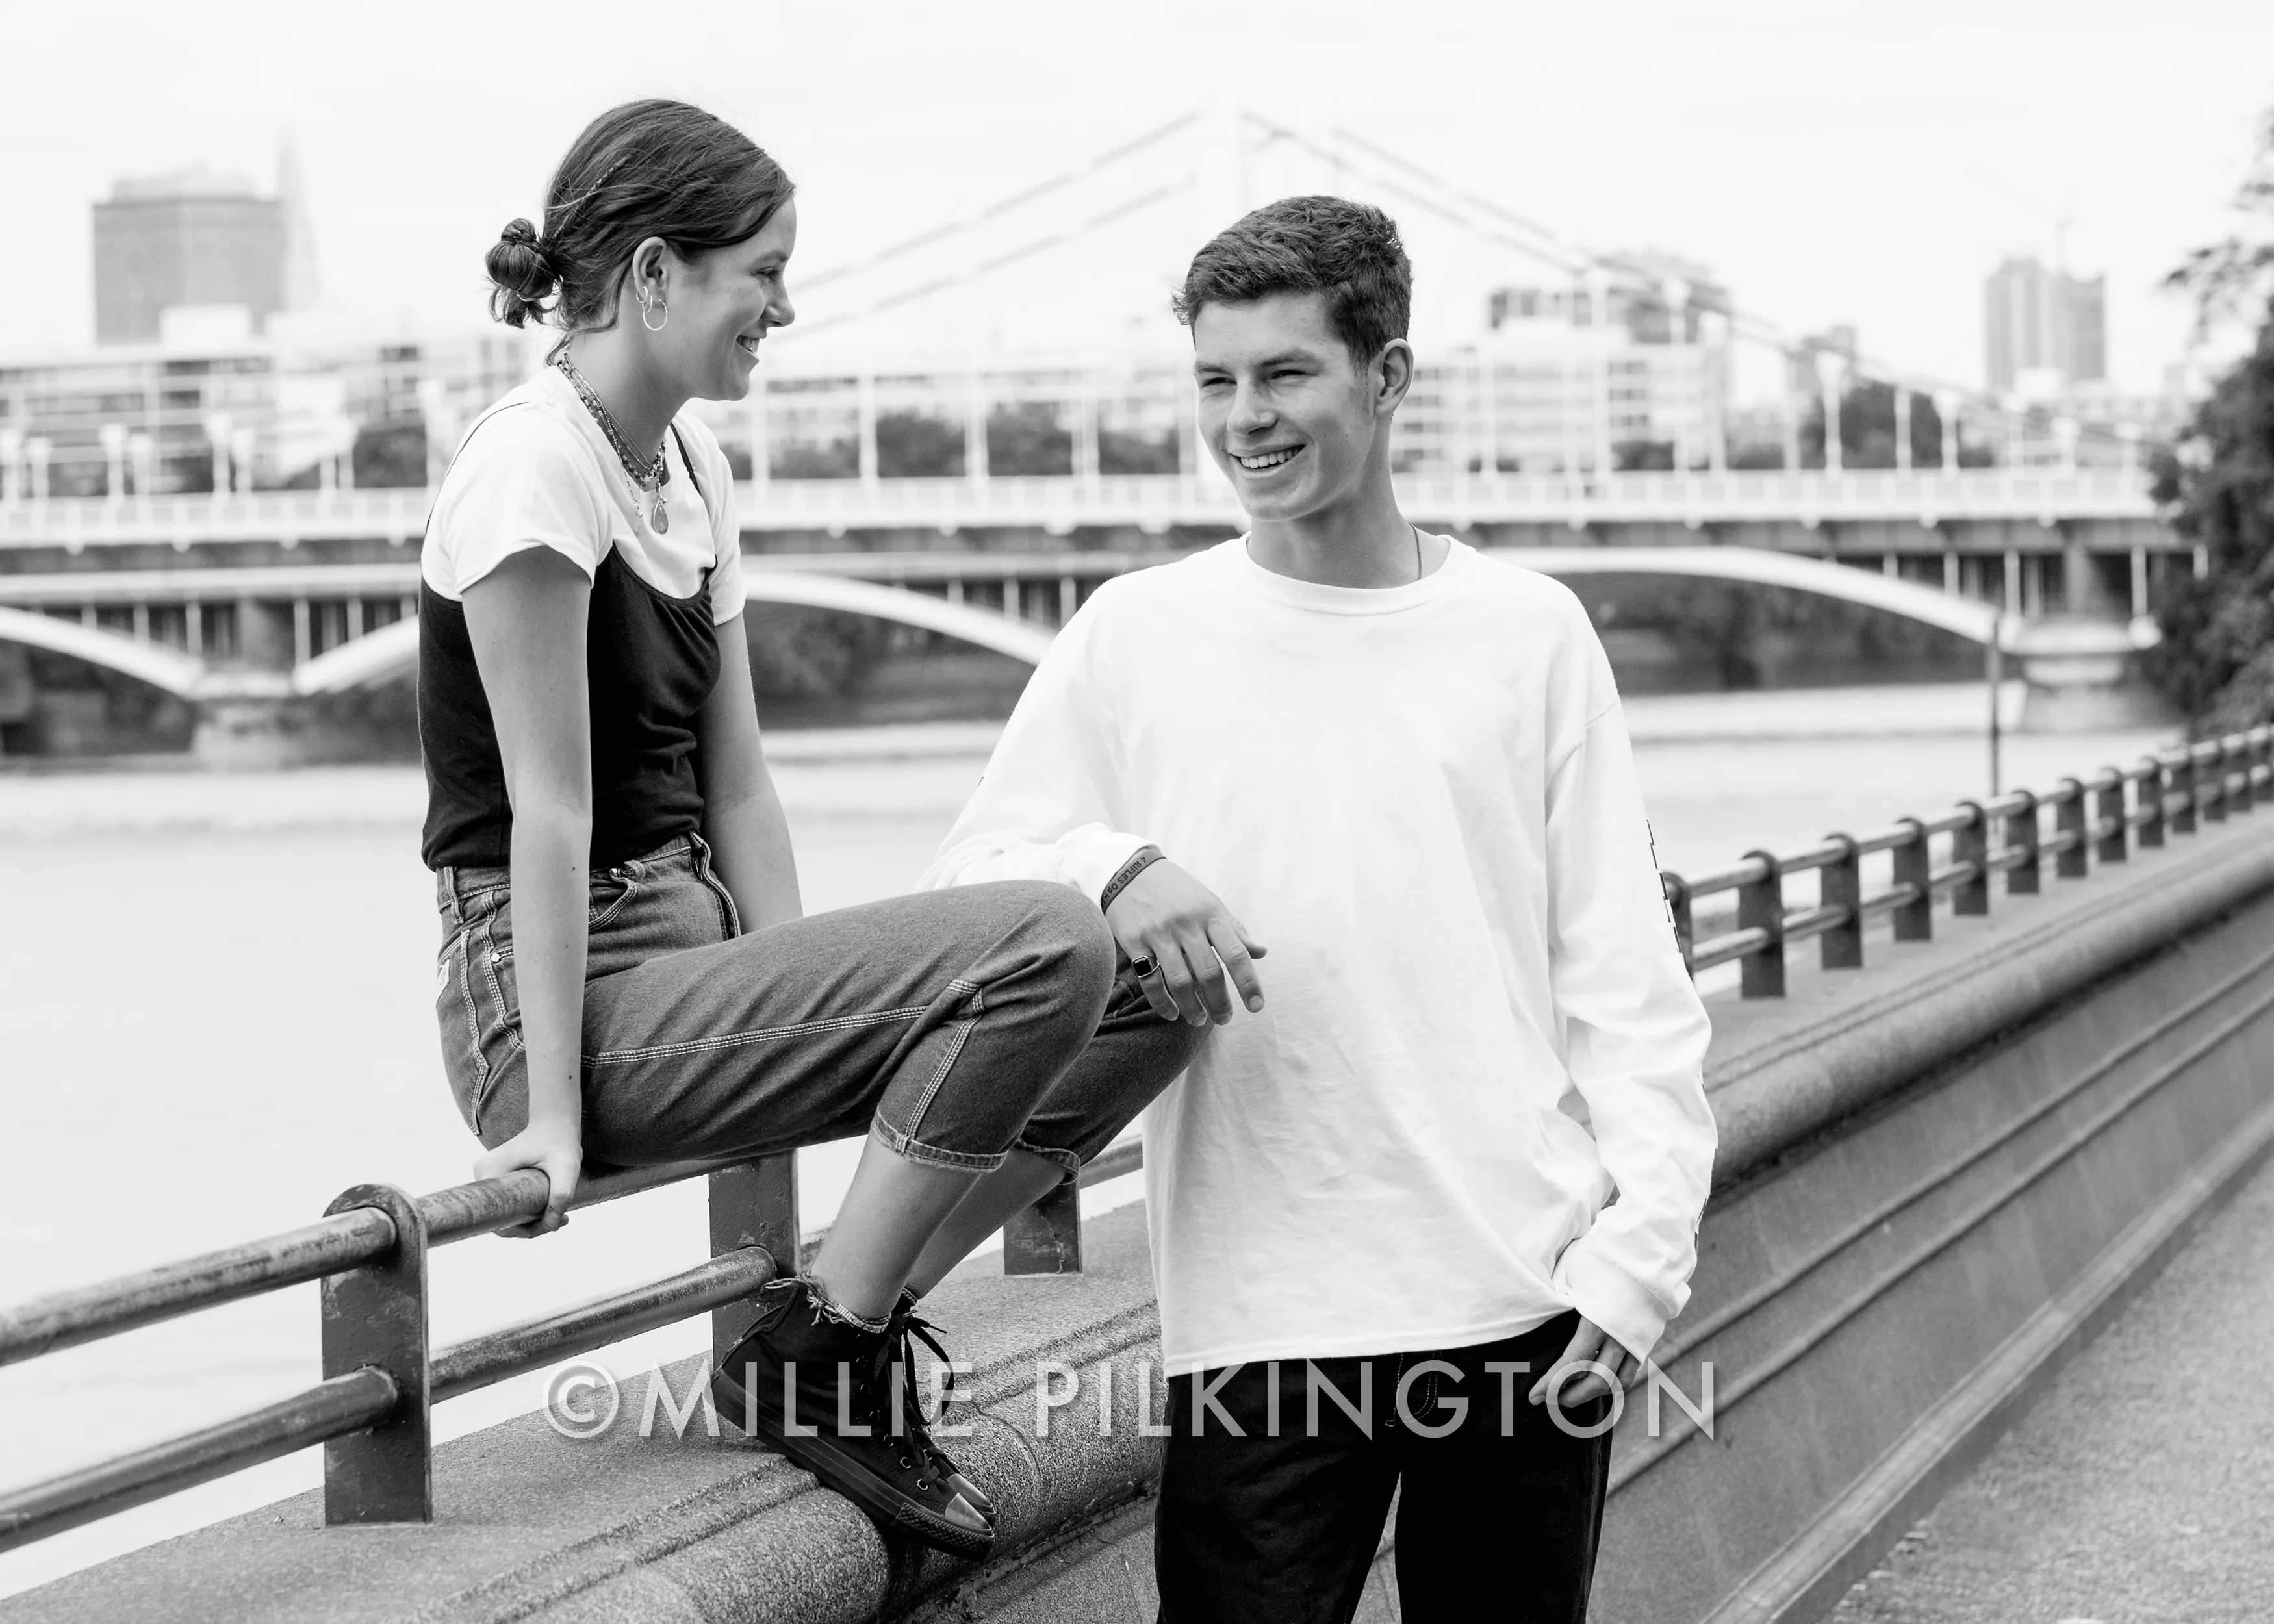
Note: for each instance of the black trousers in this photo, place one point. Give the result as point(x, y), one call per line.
point(1497, 1515)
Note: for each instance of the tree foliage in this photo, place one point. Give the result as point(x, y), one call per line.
point(1867, 430)
point(387, 455)
point(913, 445)
point(2216, 484)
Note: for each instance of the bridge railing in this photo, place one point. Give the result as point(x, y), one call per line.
point(1155, 501)
point(1958, 854)
point(373, 1410)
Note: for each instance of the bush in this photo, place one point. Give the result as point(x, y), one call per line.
point(390, 455)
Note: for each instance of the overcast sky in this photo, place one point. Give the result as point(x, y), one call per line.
point(1830, 161)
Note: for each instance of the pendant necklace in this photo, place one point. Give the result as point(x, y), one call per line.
point(651, 483)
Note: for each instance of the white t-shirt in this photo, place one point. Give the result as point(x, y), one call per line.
point(536, 471)
point(1477, 1027)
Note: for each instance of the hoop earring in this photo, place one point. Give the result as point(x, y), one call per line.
point(647, 304)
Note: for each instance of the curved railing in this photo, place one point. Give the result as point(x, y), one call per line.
point(2170, 791)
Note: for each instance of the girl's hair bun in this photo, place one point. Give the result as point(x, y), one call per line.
point(523, 274)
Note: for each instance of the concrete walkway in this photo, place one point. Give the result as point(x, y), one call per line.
point(2139, 1490)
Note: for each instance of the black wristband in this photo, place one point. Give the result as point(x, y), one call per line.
point(1143, 857)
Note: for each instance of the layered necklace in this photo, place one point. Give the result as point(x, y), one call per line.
point(649, 483)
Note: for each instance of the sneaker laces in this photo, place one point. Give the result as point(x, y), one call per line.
point(913, 1325)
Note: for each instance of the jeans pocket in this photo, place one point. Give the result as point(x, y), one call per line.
point(461, 995)
point(479, 1010)
point(606, 895)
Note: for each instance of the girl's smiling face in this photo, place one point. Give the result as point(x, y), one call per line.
point(721, 304)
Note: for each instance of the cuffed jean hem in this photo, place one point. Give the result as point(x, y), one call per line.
point(1067, 1159)
point(933, 1155)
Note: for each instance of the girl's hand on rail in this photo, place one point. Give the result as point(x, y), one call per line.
point(558, 1152)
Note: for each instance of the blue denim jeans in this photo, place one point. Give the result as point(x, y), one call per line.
point(955, 1024)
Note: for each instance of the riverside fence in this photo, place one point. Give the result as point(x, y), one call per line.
point(2095, 819)
point(372, 1412)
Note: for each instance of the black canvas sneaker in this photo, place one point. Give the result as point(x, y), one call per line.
point(905, 1328)
point(813, 1383)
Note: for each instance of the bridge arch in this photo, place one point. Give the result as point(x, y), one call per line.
point(171, 669)
point(393, 652)
point(1976, 621)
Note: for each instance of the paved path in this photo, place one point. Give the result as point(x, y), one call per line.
point(2140, 1489)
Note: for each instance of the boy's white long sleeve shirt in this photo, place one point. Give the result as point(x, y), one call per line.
point(1474, 1099)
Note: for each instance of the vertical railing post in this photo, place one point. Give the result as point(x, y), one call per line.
point(2210, 778)
point(2108, 809)
point(1840, 885)
point(2261, 762)
point(1760, 906)
point(2068, 821)
point(1914, 921)
point(2182, 764)
point(1046, 1238)
point(1676, 891)
point(2024, 879)
point(752, 1205)
point(1969, 842)
point(376, 1316)
point(2148, 776)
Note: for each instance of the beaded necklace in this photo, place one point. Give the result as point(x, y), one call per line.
point(649, 484)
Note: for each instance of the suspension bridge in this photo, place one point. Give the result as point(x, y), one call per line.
point(944, 474)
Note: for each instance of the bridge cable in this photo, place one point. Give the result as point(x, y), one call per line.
point(1025, 251)
point(1001, 207)
point(1749, 324)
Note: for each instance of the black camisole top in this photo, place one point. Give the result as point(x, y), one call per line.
point(651, 661)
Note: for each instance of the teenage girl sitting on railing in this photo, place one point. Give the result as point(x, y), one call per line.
point(626, 974)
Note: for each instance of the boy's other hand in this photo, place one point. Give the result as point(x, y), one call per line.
point(1166, 916)
point(1588, 1343)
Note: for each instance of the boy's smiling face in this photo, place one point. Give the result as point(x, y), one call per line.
point(1289, 414)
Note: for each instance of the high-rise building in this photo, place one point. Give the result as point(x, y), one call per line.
point(1627, 366)
point(2042, 324)
point(192, 238)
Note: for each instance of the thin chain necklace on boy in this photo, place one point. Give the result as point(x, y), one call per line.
point(650, 484)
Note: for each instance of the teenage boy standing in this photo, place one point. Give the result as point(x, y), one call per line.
point(1388, 1193)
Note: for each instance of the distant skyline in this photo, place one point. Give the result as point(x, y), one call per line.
point(1830, 162)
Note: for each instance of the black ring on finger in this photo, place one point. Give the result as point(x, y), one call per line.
point(1145, 965)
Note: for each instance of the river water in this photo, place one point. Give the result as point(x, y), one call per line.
point(216, 1014)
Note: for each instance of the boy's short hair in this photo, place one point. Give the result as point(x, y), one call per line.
point(1347, 251)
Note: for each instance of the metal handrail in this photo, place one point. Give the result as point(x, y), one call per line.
point(382, 1380)
point(2170, 791)
point(332, 1245)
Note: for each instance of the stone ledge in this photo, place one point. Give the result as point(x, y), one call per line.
point(1782, 1071)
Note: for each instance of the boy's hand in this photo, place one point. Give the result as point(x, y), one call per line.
point(1589, 1341)
point(1169, 918)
